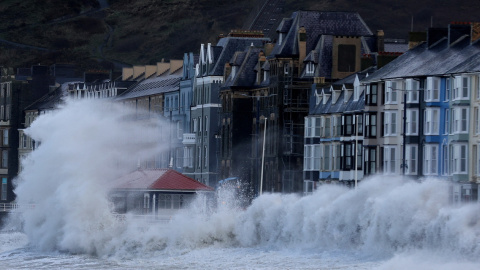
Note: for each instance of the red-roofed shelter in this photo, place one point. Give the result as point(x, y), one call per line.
point(150, 191)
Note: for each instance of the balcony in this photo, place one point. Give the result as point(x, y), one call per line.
point(188, 138)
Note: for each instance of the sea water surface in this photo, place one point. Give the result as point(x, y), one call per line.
point(386, 223)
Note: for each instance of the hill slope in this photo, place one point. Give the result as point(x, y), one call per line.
point(101, 34)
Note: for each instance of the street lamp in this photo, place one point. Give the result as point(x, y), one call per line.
point(257, 133)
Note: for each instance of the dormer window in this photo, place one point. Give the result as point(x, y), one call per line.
point(318, 98)
point(234, 71)
point(310, 69)
point(280, 38)
point(265, 75)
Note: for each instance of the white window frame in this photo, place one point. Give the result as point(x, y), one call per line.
point(391, 92)
point(413, 87)
point(390, 124)
point(460, 156)
point(430, 159)
point(460, 120)
point(476, 120)
point(431, 121)
point(432, 92)
point(310, 68)
point(462, 88)
point(412, 122)
point(389, 165)
point(411, 159)
point(448, 88)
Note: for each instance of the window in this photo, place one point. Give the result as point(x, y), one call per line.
point(188, 157)
point(371, 95)
point(346, 58)
point(370, 160)
point(195, 125)
point(327, 126)
point(347, 122)
point(4, 158)
point(347, 156)
point(337, 125)
point(359, 124)
point(337, 153)
point(412, 90)
point(430, 159)
point(199, 157)
point(317, 155)
point(460, 119)
point(390, 159)
point(445, 160)
point(412, 122)
point(5, 137)
point(411, 159)
point(477, 87)
point(431, 121)
point(205, 156)
point(206, 126)
point(390, 123)
point(391, 92)
point(447, 121)
point(432, 93)
point(146, 202)
point(286, 68)
point(4, 189)
point(476, 120)
point(448, 88)
point(462, 88)
point(359, 154)
point(310, 68)
point(24, 141)
point(459, 159)
point(326, 158)
point(307, 158)
point(371, 125)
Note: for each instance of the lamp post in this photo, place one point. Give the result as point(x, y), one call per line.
point(257, 134)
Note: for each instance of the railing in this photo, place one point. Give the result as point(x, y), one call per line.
point(189, 138)
point(14, 207)
point(147, 218)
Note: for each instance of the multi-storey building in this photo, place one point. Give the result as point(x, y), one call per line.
point(206, 103)
point(312, 47)
point(15, 95)
point(190, 61)
point(156, 95)
point(421, 112)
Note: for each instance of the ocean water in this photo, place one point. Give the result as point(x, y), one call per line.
point(386, 223)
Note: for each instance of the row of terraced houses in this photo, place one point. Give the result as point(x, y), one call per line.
point(319, 101)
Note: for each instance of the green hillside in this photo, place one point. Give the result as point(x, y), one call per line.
point(102, 34)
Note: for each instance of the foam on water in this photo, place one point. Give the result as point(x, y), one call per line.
point(85, 145)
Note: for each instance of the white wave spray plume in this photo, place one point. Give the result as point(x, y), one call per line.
point(67, 177)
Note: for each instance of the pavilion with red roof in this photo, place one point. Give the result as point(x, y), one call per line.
point(150, 191)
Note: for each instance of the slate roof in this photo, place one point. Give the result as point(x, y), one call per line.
point(319, 23)
point(342, 106)
point(245, 75)
point(436, 60)
point(229, 46)
point(153, 86)
point(160, 179)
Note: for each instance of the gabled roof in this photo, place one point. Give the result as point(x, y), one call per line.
point(160, 179)
point(245, 76)
point(439, 59)
point(318, 23)
point(229, 46)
